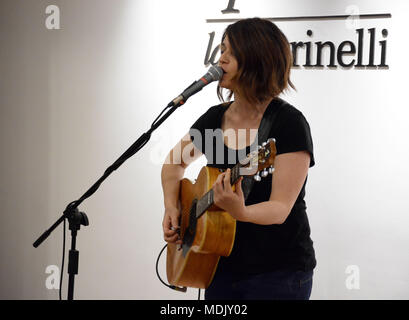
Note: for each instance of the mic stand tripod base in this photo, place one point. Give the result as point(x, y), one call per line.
point(75, 220)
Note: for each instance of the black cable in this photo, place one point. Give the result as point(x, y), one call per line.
point(198, 295)
point(154, 121)
point(157, 272)
point(180, 289)
point(63, 256)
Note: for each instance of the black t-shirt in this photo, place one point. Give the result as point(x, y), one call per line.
point(263, 248)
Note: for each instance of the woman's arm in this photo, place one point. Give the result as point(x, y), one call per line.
point(290, 172)
point(289, 176)
point(178, 159)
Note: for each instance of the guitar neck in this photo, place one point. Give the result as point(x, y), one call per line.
point(207, 200)
point(257, 160)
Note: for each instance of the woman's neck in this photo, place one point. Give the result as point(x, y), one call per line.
point(249, 110)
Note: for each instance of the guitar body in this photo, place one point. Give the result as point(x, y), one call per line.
point(194, 263)
point(208, 232)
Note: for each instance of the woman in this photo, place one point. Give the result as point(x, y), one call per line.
point(273, 255)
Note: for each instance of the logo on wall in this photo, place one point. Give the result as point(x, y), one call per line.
point(349, 53)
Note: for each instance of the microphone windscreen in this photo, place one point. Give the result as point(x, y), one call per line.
point(215, 72)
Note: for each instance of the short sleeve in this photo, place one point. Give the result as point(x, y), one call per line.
point(295, 135)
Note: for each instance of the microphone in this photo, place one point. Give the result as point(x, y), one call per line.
point(213, 74)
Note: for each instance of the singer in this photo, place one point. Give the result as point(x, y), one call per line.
point(273, 255)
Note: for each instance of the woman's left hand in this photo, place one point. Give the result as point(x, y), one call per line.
point(227, 199)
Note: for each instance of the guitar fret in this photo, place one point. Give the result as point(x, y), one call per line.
point(235, 174)
point(204, 203)
point(198, 206)
point(210, 197)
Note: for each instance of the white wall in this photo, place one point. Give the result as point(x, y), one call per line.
point(73, 99)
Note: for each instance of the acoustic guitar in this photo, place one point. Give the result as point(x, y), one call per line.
point(208, 232)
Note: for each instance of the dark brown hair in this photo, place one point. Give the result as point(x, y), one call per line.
point(264, 59)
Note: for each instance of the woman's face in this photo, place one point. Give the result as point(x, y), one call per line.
point(228, 63)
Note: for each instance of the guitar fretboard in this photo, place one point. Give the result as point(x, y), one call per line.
point(207, 200)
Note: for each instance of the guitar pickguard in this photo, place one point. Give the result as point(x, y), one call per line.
point(190, 231)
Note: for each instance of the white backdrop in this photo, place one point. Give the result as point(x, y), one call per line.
point(73, 99)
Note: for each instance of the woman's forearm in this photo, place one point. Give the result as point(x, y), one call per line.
point(266, 213)
point(171, 176)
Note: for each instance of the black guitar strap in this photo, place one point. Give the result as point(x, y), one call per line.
point(266, 125)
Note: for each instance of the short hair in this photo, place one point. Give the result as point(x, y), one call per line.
point(264, 59)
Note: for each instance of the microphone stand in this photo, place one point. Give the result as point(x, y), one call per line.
point(76, 218)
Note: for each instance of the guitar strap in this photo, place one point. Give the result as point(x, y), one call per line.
point(266, 125)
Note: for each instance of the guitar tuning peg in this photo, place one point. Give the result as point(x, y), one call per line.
point(264, 144)
point(264, 173)
point(271, 170)
point(257, 177)
point(259, 147)
point(271, 140)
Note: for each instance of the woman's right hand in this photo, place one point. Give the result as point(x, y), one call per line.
point(171, 226)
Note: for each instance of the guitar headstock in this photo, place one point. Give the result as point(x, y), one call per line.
point(260, 162)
